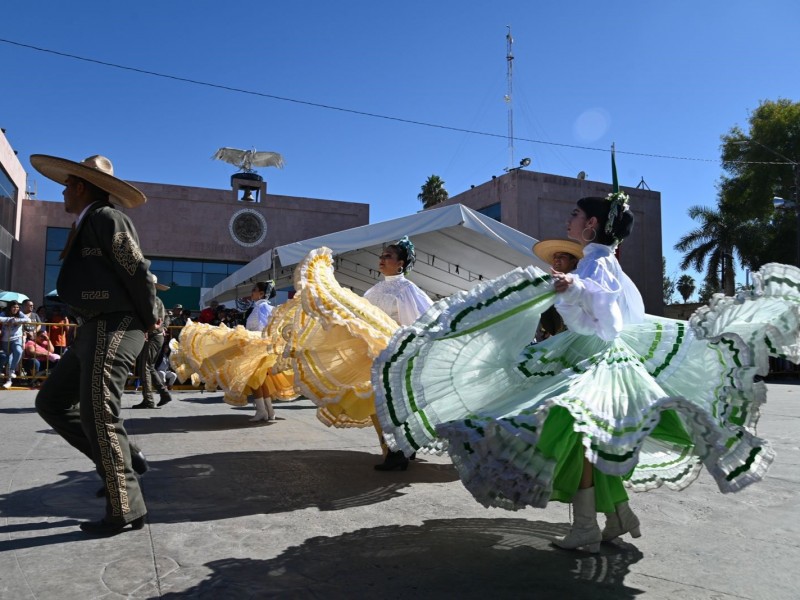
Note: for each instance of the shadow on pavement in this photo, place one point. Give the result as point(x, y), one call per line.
point(207, 487)
point(187, 424)
point(454, 558)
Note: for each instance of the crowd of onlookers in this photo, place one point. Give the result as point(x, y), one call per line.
point(33, 341)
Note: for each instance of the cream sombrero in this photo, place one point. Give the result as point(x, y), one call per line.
point(97, 170)
point(547, 248)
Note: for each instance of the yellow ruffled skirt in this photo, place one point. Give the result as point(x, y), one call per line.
point(335, 336)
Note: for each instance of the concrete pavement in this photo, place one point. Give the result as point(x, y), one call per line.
point(294, 510)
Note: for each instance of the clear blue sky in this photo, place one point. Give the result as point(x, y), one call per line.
point(664, 78)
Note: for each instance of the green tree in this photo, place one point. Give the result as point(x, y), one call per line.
point(709, 288)
point(685, 286)
point(756, 170)
point(432, 192)
point(669, 282)
point(713, 246)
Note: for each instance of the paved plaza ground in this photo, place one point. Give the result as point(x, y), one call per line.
point(295, 510)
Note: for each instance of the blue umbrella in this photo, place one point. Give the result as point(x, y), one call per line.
point(9, 296)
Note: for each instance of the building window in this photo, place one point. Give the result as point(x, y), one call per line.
point(492, 211)
point(55, 241)
point(8, 202)
point(175, 272)
point(191, 273)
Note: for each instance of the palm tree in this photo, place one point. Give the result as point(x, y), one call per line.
point(685, 287)
point(713, 245)
point(433, 192)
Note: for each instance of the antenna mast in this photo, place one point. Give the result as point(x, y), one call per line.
point(509, 97)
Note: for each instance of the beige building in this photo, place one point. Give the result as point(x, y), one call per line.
point(12, 191)
point(195, 237)
point(538, 204)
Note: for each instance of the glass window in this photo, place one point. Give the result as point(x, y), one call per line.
point(160, 264)
point(52, 257)
point(212, 279)
point(164, 277)
point(233, 267)
point(492, 211)
point(50, 278)
point(57, 238)
point(8, 202)
point(210, 267)
point(187, 279)
point(191, 266)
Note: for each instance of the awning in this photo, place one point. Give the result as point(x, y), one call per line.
point(456, 247)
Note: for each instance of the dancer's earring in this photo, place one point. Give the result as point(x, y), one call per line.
point(583, 235)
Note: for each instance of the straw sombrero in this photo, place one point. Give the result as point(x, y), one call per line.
point(547, 248)
point(97, 170)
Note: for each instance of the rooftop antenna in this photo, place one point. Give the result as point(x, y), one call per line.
point(509, 97)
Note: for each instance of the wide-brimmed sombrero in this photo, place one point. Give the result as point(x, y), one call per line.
point(97, 170)
point(547, 248)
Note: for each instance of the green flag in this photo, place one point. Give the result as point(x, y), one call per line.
point(614, 180)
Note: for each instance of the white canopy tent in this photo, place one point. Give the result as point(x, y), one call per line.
point(456, 247)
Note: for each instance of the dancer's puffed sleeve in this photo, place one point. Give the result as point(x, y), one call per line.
point(590, 306)
point(264, 312)
point(411, 303)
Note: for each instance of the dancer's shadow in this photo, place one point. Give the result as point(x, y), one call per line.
point(17, 411)
point(189, 423)
point(458, 558)
point(207, 487)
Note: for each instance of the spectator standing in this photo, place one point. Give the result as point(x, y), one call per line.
point(59, 331)
point(11, 341)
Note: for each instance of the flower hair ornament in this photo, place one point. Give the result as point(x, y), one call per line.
point(408, 246)
point(619, 204)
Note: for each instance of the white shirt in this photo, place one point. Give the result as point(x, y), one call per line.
point(257, 319)
point(399, 298)
point(602, 298)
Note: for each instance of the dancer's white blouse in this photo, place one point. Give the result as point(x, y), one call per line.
point(602, 298)
point(257, 320)
point(399, 298)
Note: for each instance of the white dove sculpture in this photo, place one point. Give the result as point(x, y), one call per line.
point(247, 159)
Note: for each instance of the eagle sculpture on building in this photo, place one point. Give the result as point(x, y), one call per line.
point(247, 159)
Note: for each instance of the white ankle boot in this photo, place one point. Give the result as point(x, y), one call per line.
point(585, 532)
point(270, 410)
point(620, 522)
point(261, 410)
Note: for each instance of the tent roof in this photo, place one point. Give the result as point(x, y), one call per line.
point(455, 246)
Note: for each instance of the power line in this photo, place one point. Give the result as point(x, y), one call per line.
point(358, 112)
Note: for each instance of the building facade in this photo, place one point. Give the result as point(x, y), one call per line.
point(194, 237)
point(12, 189)
point(539, 204)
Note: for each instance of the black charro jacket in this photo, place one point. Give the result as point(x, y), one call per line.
point(104, 270)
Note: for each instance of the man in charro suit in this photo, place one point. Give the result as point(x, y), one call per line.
point(107, 283)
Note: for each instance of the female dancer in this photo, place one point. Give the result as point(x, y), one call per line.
point(337, 334)
point(240, 361)
point(619, 396)
point(257, 318)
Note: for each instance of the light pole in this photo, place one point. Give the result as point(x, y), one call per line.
point(780, 203)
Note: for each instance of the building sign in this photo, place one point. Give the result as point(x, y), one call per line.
point(248, 227)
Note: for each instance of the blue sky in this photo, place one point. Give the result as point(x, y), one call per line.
point(663, 79)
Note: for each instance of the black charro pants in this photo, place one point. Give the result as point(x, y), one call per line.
point(146, 368)
point(81, 401)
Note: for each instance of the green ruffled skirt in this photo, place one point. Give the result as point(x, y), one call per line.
point(648, 409)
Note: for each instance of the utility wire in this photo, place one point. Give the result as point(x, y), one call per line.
point(360, 112)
